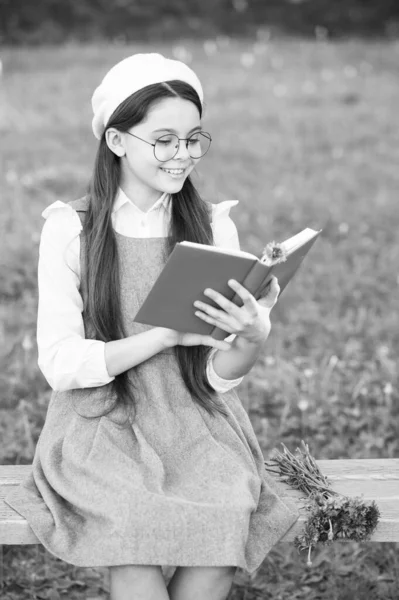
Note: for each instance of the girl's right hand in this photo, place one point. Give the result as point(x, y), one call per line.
point(177, 338)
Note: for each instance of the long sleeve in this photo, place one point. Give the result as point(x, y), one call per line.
point(66, 358)
point(226, 236)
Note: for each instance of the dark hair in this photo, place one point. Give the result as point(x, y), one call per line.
point(190, 221)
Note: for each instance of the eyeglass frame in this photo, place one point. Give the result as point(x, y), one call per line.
point(178, 147)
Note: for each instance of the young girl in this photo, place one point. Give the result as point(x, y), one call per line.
point(147, 458)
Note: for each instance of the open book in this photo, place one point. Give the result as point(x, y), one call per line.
point(191, 268)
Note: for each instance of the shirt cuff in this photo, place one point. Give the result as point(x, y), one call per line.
point(78, 365)
point(218, 383)
point(97, 373)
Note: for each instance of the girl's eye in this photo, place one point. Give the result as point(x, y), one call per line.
point(164, 142)
point(193, 141)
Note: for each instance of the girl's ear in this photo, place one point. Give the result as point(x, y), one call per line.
point(115, 141)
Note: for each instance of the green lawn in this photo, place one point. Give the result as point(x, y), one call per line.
point(305, 134)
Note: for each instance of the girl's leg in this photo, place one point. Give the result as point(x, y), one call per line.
point(198, 583)
point(137, 582)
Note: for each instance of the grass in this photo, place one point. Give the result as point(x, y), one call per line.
point(305, 134)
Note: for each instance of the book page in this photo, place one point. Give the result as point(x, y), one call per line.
point(296, 241)
point(230, 251)
point(291, 244)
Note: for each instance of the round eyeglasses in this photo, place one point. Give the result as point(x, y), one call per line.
point(167, 146)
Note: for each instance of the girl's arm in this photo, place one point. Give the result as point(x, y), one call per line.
point(122, 355)
point(65, 357)
point(239, 360)
point(251, 323)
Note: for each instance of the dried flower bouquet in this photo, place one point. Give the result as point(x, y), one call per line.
point(332, 516)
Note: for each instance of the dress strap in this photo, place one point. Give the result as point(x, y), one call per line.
point(81, 206)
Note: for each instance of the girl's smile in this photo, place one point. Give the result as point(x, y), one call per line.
point(175, 173)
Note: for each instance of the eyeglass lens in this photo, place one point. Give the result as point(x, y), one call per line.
point(167, 146)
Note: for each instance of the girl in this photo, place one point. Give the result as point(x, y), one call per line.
point(147, 457)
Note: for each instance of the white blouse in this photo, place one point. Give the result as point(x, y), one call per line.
point(65, 357)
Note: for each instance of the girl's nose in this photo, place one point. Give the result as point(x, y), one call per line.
point(183, 150)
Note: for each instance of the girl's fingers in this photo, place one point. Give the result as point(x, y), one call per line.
point(228, 307)
point(218, 344)
point(247, 298)
point(223, 323)
point(195, 339)
point(211, 311)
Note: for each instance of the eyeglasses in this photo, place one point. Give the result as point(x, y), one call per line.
point(167, 146)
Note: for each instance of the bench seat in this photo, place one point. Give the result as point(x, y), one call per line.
point(375, 479)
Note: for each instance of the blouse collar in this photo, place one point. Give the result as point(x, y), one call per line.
point(121, 199)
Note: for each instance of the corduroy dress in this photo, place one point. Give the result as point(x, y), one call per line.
point(173, 486)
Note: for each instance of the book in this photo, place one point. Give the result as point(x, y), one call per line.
point(191, 268)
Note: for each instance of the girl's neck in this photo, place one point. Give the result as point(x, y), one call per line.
point(143, 199)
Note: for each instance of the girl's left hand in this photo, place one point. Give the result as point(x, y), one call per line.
point(250, 321)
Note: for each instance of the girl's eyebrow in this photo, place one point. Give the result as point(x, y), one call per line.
point(174, 131)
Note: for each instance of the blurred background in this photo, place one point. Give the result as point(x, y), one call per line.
point(302, 102)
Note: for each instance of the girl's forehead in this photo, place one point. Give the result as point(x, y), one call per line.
point(171, 112)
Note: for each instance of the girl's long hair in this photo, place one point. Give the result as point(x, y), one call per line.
point(190, 221)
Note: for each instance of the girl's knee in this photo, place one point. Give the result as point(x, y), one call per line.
point(134, 573)
point(137, 582)
point(200, 582)
point(226, 576)
point(222, 573)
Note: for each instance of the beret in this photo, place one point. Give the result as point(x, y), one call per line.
point(132, 74)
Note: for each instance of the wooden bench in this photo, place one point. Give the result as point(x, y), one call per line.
point(375, 479)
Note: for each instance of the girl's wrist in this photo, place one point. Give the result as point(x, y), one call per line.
point(256, 341)
point(167, 337)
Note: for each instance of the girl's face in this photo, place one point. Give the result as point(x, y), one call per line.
point(142, 173)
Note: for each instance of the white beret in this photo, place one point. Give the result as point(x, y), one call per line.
point(132, 74)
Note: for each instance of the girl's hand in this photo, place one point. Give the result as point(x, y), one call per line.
point(177, 338)
point(251, 321)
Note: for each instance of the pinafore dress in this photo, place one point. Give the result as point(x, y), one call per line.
point(174, 486)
